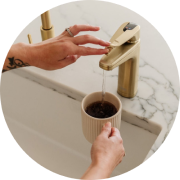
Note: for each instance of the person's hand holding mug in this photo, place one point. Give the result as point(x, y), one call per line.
point(106, 153)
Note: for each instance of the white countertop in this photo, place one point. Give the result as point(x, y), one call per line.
point(158, 88)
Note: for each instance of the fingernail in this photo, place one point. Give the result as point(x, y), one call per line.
point(108, 124)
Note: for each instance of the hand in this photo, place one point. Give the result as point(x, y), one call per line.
point(106, 153)
point(58, 52)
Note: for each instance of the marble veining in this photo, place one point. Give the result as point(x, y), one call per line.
point(158, 87)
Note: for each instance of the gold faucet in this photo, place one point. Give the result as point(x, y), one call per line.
point(47, 29)
point(124, 52)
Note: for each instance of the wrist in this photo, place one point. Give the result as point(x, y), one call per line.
point(102, 169)
point(28, 53)
point(17, 57)
point(22, 51)
point(95, 172)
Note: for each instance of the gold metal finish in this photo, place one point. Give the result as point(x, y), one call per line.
point(46, 21)
point(125, 51)
point(47, 29)
point(30, 38)
point(47, 34)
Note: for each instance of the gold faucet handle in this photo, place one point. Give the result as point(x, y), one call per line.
point(29, 38)
point(127, 36)
point(110, 48)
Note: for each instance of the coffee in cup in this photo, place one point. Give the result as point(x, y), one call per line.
point(101, 109)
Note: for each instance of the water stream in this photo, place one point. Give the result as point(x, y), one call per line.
point(103, 86)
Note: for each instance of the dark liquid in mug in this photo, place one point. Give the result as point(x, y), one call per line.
point(101, 110)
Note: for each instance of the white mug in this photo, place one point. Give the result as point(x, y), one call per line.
point(92, 126)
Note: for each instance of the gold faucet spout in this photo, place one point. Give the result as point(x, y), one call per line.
point(118, 55)
point(124, 52)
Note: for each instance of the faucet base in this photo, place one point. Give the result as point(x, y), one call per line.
point(125, 95)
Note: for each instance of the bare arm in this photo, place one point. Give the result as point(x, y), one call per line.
point(17, 57)
point(96, 172)
point(55, 53)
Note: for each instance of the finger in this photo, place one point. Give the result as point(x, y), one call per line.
point(84, 51)
point(78, 28)
point(84, 39)
point(106, 130)
point(67, 61)
point(115, 132)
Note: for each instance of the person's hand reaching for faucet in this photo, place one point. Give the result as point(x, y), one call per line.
point(106, 153)
point(57, 52)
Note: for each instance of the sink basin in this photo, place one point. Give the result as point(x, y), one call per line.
point(47, 126)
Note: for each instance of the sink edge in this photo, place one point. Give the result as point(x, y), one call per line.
point(72, 93)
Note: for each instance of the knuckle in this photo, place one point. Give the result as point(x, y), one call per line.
point(98, 40)
point(63, 40)
point(73, 58)
point(120, 140)
point(117, 131)
point(75, 26)
point(66, 45)
point(78, 51)
point(87, 50)
point(105, 129)
point(87, 37)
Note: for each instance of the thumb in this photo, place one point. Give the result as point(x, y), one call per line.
point(67, 61)
point(115, 132)
point(106, 129)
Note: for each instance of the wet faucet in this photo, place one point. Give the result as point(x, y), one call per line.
point(124, 52)
point(47, 29)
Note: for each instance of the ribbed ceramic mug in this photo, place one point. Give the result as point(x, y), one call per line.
point(92, 126)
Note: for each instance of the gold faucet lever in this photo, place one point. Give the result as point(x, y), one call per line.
point(127, 33)
point(30, 38)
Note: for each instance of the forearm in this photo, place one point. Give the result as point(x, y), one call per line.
point(18, 56)
point(97, 172)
